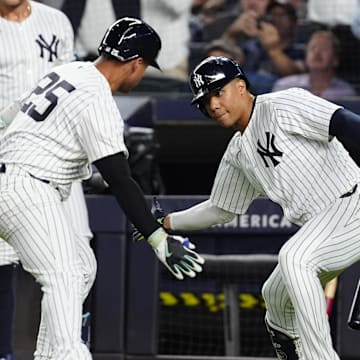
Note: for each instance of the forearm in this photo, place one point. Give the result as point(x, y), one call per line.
point(283, 64)
point(200, 216)
point(127, 192)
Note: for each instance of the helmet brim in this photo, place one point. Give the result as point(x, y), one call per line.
point(155, 64)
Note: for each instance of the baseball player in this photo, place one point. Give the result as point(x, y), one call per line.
point(288, 146)
point(66, 122)
point(34, 39)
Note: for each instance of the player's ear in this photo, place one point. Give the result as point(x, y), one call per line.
point(241, 85)
point(140, 62)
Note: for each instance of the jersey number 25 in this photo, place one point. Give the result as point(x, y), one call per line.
point(52, 83)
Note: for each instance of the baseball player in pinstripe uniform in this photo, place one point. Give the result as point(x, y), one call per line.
point(34, 39)
point(66, 122)
point(288, 146)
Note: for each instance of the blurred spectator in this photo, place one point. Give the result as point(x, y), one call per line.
point(267, 38)
point(88, 26)
point(355, 24)
point(273, 49)
point(338, 18)
point(170, 18)
point(245, 26)
point(322, 59)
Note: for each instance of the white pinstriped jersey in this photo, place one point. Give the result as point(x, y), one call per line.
point(69, 120)
point(43, 40)
point(285, 154)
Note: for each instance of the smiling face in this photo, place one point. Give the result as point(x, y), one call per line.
point(229, 105)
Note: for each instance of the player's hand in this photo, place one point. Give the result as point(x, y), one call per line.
point(172, 251)
point(159, 215)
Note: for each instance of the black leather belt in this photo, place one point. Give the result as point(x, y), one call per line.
point(3, 170)
point(349, 193)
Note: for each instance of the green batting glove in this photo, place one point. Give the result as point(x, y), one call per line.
point(179, 259)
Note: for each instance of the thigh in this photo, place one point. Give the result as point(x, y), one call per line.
point(330, 242)
point(36, 226)
point(76, 209)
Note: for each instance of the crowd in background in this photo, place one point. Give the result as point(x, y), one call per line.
point(273, 40)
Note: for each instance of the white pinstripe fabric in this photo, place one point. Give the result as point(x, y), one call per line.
point(313, 171)
point(76, 213)
point(28, 50)
point(319, 251)
point(75, 206)
point(33, 221)
point(311, 174)
point(21, 64)
point(85, 125)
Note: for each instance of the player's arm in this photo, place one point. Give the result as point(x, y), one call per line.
point(200, 216)
point(178, 259)
point(345, 125)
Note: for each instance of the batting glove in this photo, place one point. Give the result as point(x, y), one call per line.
point(171, 250)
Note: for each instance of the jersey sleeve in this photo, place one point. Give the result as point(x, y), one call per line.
point(232, 191)
point(101, 129)
point(300, 112)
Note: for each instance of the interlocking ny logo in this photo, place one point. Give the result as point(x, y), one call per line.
point(198, 80)
point(270, 150)
point(51, 47)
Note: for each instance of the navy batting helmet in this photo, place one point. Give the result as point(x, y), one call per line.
point(129, 38)
point(212, 74)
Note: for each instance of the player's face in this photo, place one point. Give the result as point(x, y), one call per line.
point(225, 105)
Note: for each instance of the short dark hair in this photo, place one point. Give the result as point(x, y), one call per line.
point(289, 8)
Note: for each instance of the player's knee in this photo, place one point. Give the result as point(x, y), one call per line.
point(268, 291)
point(290, 261)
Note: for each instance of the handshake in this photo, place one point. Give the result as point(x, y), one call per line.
point(175, 252)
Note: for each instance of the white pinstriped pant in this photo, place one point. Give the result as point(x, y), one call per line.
point(323, 248)
point(34, 222)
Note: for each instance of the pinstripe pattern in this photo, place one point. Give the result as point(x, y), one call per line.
point(20, 63)
point(321, 249)
point(313, 171)
point(34, 222)
point(306, 174)
point(85, 125)
point(29, 49)
point(72, 207)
